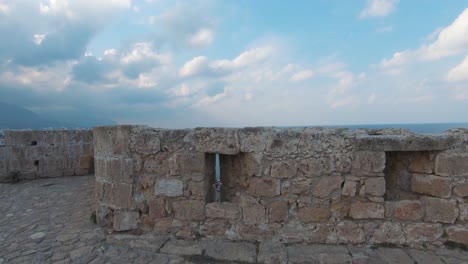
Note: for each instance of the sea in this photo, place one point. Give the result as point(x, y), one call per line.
point(429, 128)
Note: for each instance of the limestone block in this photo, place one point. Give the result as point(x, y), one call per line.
point(86, 162)
point(368, 163)
point(452, 164)
point(100, 168)
point(439, 210)
point(113, 169)
point(422, 162)
point(431, 185)
point(156, 166)
point(296, 187)
point(127, 171)
point(214, 228)
point(191, 163)
point(349, 188)
point(283, 142)
point(189, 210)
point(314, 166)
point(254, 214)
point(147, 142)
point(284, 169)
point(222, 210)
point(388, 232)
point(169, 188)
point(463, 211)
point(157, 208)
point(313, 213)
point(88, 149)
point(406, 142)
point(125, 220)
point(375, 186)
point(423, 232)
point(217, 140)
point(366, 210)
point(104, 216)
point(264, 187)
point(347, 232)
point(458, 234)
point(112, 140)
point(251, 164)
point(272, 252)
point(278, 212)
point(461, 189)
point(182, 247)
point(404, 210)
point(254, 139)
point(327, 185)
point(122, 195)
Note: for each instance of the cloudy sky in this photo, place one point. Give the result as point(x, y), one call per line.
point(175, 64)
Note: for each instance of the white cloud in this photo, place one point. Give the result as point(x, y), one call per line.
point(202, 38)
point(459, 72)
point(207, 100)
point(302, 76)
point(4, 8)
point(195, 66)
point(450, 41)
point(378, 8)
point(38, 38)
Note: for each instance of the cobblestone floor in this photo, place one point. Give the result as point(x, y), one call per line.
point(48, 221)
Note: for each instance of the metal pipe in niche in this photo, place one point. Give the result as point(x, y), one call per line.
point(218, 183)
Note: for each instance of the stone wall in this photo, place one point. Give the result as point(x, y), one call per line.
point(287, 185)
point(31, 154)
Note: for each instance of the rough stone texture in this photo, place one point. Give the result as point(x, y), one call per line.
point(461, 189)
point(452, 164)
point(217, 140)
point(369, 162)
point(439, 210)
point(431, 185)
point(189, 210)
point(124, 221)
point(327, 185)
point(405, 210)
point(260, 187)
point(458, 234)
point(222, 210)
point(313, 213)
point(169, 187)
point(366, 210)
point(375, 186)
point(229, 251)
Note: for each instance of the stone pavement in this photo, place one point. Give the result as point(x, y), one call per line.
point(48, 221)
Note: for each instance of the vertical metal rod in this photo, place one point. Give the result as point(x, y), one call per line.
point(218, 180)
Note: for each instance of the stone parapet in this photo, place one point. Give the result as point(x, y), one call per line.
point(285, 185)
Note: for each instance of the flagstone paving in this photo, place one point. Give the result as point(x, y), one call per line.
point(48, 221)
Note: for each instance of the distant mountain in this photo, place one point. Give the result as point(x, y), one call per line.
point(16, 117)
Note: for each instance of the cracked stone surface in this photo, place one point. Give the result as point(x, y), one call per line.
point(48, 221)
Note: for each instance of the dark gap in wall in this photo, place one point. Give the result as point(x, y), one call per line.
point(33, 143)
point(399, 168)
point(36, 163)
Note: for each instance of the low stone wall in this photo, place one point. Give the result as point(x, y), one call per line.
point(31, 154)
point(302, 185)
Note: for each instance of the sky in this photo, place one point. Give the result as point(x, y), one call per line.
point(178, 64)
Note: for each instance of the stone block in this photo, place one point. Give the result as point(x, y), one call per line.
point(452, 164)
point(405, 210)
point(278, 212)
point(251, 164)
point(217, 140)
point(461, 189)
point(254, 139)
point(214, 228)
point(122, 195)
point(424, 256)
point(458, 234)
point(113, 169)
point(296, 187)
point(169, 188)
point(375, 186)
point(127, 171)
point(112, 141)
point(283, 142)
point(350, 188)
point(388, 232)
point(231, 251)
point(254, 214)
point(125, 220)
point(284, 169)
point(313, 213)
point(104, 216)
point(422, 162)
point(272, 253)
point(463, 211)
point(191, 163)
point(327, 185)
point(394, 255)
point(314, 166)
point(264, 187)
point(431, 185)
point(366, 210)
point(439, 210)
point(86, 162)
point(189, 210)
point(147, 143)
point(423, 232)
point(182, 247)
point(156, 166)
point(222, 210)
point(368, 163)
point(157, 208)
point(347, 232)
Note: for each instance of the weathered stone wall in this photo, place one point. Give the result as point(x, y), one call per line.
point(31, 154)
point(287, 185)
